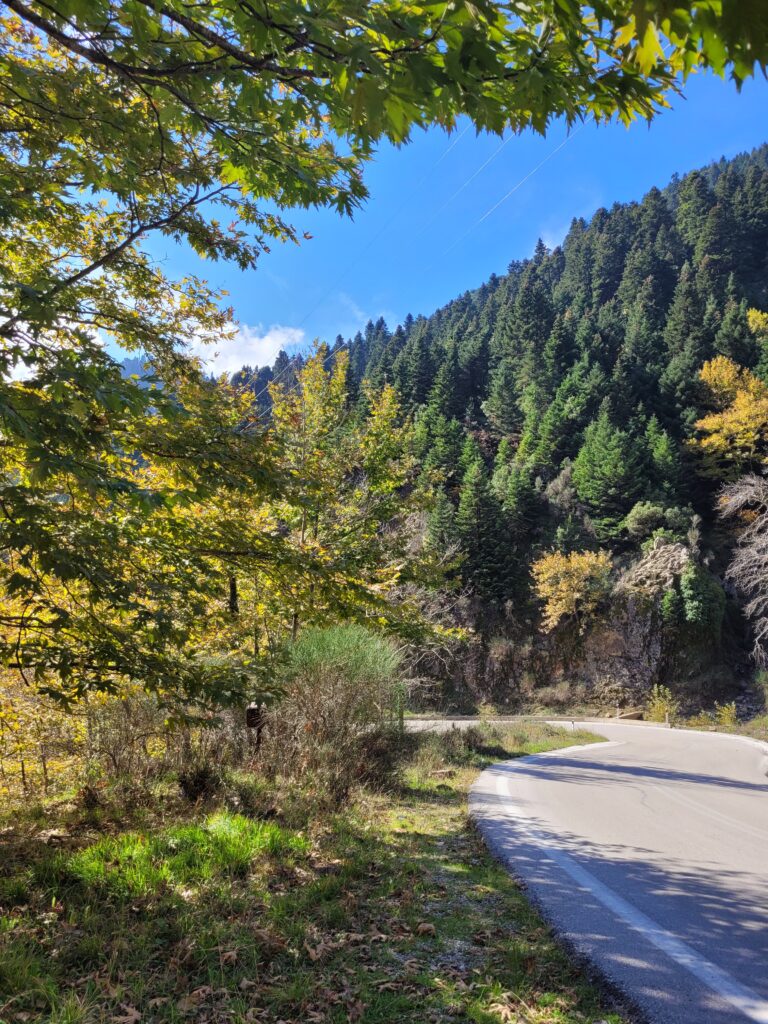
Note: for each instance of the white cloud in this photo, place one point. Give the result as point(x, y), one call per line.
point(250, 346)
point(352, 317)
point(359, 316)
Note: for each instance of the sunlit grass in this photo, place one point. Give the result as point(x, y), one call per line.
point(228, 918)
point(136, 864)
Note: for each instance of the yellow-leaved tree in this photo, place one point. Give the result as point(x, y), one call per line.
point(571, 585)
point(733, 438)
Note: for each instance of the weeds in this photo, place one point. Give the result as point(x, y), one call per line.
point(390, 911)
point(662, 705)
point(726, 715)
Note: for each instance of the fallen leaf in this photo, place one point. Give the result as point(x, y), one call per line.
point(506, 1013)
point(355, 1010)
point(267, 938)
point(130, 1016)
point(189, 1002)
point(230, 957)
point(425, 928)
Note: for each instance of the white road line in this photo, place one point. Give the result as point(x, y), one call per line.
point(714, 977)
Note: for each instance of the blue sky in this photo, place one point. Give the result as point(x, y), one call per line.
point(438, 222)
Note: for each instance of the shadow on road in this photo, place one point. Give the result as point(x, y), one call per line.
point(601, 772)
point(722, 914)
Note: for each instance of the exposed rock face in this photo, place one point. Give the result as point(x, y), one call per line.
point(622, 657)
point(615, 660)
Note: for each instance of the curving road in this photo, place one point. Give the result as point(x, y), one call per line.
point(649, 854)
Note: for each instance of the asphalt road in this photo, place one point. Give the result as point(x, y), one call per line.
point(649, 854)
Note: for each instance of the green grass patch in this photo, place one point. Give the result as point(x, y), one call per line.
point(135, 864)
point(389, 912)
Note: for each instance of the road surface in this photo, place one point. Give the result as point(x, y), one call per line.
point(649, 854)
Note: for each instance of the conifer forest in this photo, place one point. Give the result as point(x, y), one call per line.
point(580, 416)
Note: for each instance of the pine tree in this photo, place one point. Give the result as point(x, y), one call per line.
point(609, 255)
point(559, 353)
point(470, 454)
point(502, 465)
point(734, 338)
point(695, 199)
point(664, 461)
point(520, 501)
point(441, 524)
point(447, 394)
point(482, 531)
point(685, 336)
point(500, 407)
point(605, 474)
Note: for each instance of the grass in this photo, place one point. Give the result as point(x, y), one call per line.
point(389, 912)
point(756, 727)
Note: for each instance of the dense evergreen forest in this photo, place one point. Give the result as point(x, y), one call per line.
point(558, 405)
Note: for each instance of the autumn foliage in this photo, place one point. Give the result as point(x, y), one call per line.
point(571, 585)
point(734, 437)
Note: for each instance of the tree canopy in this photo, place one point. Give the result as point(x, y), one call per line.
point(205, 124)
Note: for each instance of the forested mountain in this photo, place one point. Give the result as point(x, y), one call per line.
point(558, 401)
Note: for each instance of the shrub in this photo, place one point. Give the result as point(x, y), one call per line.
point(643, 518)
point(761, 685)
point(701, 720)
point(662, 705)
point(703, 600)
point(200, 781)
point(337, 688)
point(726, 715)
point(250, 794)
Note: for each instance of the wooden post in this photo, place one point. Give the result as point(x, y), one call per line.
point(254, 719)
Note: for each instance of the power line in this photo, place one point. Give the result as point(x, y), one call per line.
point(447, 202)
point(383, 228)
point(512, 191)
point(365, 249)
point(464, 184)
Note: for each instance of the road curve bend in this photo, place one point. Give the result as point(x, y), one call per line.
point(649, 854)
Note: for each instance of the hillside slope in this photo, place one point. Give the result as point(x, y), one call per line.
point(558, 403)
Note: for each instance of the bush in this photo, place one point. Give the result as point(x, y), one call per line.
point(703, 600)
point(250, 794)
point(201, 781)
point(460, 747)
point(643, 518)
point(338, 689)
point(726, 715)
point(662, 705)
point(701, 720)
